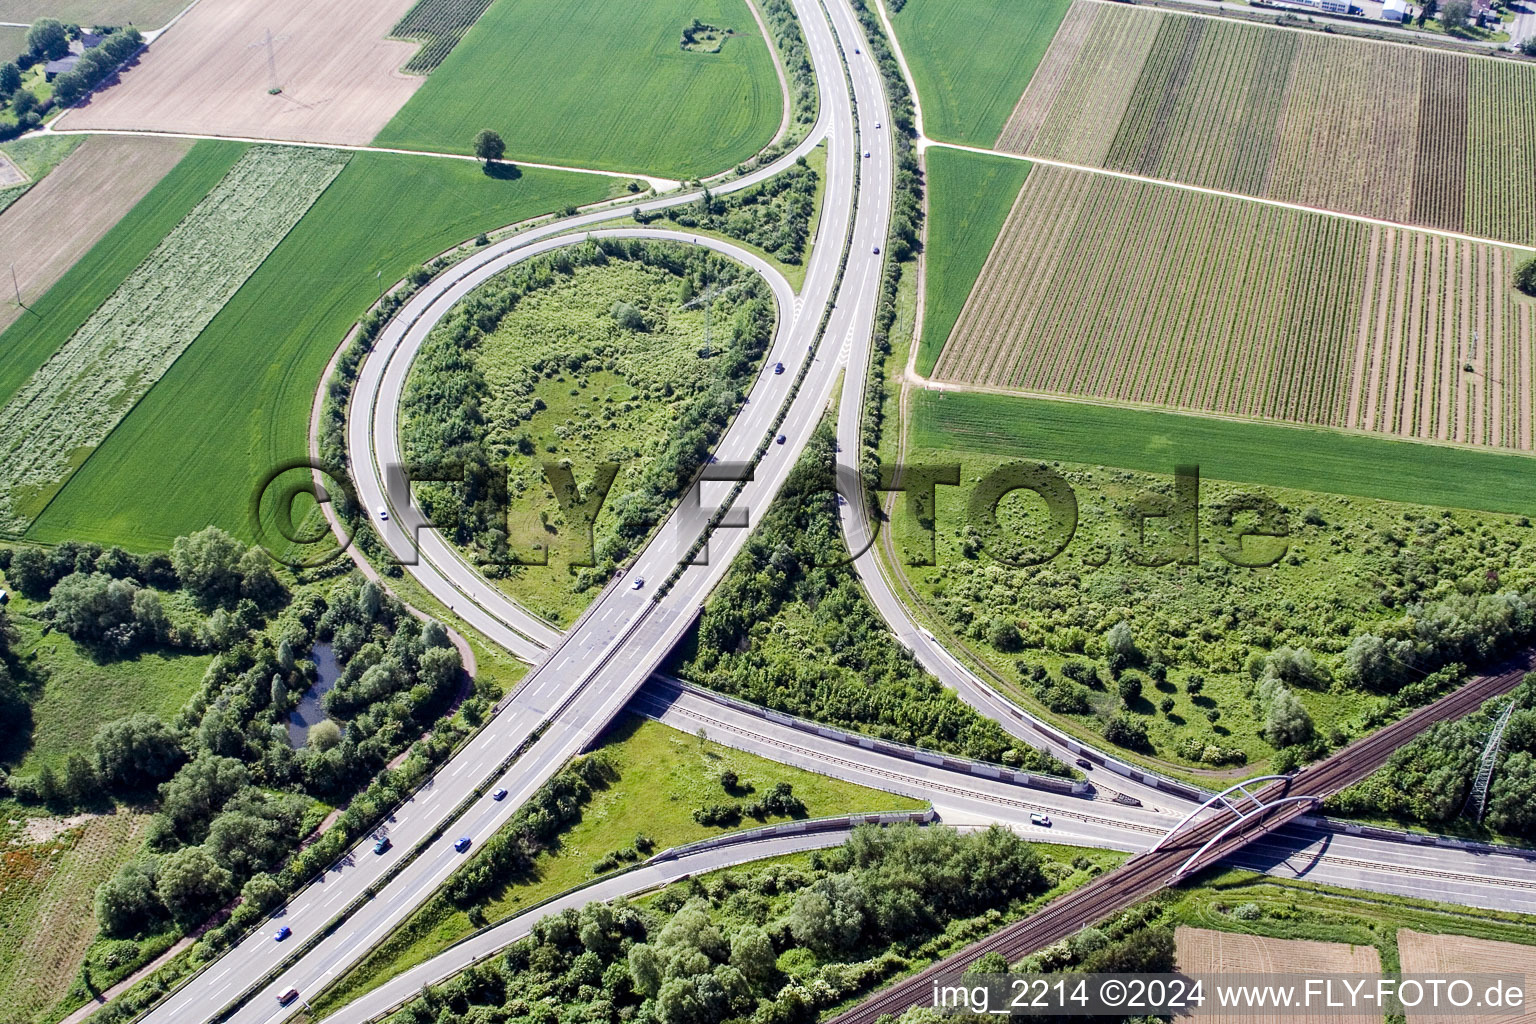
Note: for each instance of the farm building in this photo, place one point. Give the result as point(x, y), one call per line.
point(54, 68)
point(1394, 10)
point(87, 41)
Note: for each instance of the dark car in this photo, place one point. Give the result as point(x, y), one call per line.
point(282, 933)
point(461, 844)
point(780, 439)
point(877, 250)
point(500, 794)
point(778, 367)
point(1085, 764)
point(381, 844)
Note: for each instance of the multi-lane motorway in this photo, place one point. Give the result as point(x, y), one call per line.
point(583, 678)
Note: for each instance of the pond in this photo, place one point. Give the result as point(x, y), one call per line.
point(311, 709)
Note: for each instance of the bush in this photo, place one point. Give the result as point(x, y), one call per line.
point(1126, 730)
point(1525, 270)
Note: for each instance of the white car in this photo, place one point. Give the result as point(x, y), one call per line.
point(383, 514)
point(639, 582)
point(1040, 819)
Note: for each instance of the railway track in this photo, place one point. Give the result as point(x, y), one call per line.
point(1144, 874)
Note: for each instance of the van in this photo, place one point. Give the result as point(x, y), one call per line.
point(1043, 820)
point(288, 997)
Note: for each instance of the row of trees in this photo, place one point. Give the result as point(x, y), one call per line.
point(711, 951)
point(49, 39)
point(110, 601)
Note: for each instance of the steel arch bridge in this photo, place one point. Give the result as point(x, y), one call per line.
point(1247, 807)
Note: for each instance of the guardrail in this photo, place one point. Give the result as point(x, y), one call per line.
point(807, 826)
point(893, 748)
point(1353, 828)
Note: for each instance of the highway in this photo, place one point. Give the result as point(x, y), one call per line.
point(583, 678)
point(582, 681)
point(1209, 839)
point(967, 801)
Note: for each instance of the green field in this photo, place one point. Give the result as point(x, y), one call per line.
point(969, 196)
point(591, 83)
point(142, 14)
point(38, 155)
point(238, 400)
point(971, 60)
point(1300, 457)
point(72, 695)
point(32, 339)
point(664, 775)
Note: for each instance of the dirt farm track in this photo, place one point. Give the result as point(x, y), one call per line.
point(209, 73)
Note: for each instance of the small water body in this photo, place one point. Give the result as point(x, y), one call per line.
point(311, 711)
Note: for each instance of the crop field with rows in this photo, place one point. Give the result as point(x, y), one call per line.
point(72, 402)
point(438, 25)
point(1128, 291)
point(46, 917)
point(1445, 343)
point(1381, 130)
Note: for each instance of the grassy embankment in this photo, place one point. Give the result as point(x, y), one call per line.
point(664, 775)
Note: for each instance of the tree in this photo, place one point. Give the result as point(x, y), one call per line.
point(752, 954)
point(1004, 636)
point(829, 915)
point(95, 609)
point(208, 564)
point(324, 735)
point(200, 789)
point(645, 969)
point(1126, 730)
point(1456, 14)
point(1129, 687)
point(1528, 47)
point(1286, 721)
point(10, 78)
point(489, 146)
point(47, 39)
point(127, 902)
point(23, 103)
point(80, 782)
point(1525, 270)
point(1120, 647)
point(192, 885)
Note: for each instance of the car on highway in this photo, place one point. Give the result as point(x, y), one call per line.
point(1040, 819)
point(639, 582)
point(778, 367)
point(381, 844)
point(382, 513)
point(499, 795)
point(1085, 764)
point(877, 250)
point(877, 124)
point(288, 997)
point(780, 439)
point(866, 155)
point(461, 844)
point(282, 933)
